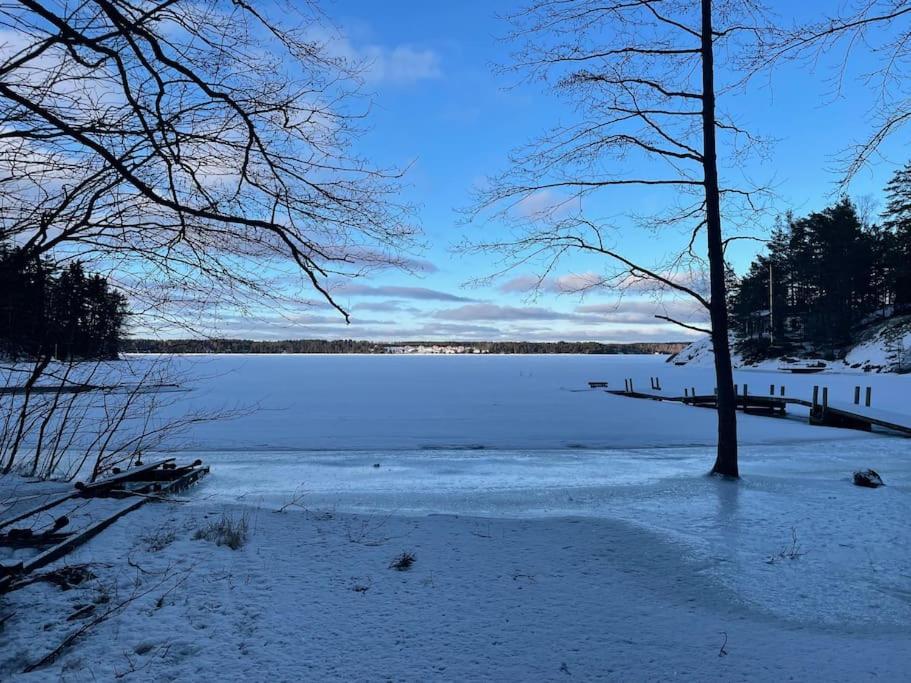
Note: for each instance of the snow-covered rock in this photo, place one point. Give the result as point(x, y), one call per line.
point(868, 478)
point(700, 354)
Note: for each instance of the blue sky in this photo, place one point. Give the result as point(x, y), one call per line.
point(439, 108)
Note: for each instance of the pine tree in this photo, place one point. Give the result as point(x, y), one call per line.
point(897, 220)
point(828, 272)
point(65, 313)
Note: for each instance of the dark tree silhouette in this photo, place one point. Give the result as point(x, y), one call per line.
point(641, 78)
point(895, 244)
point(832, 274)
point(61, 313)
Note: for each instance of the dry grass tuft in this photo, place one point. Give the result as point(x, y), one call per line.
point(228, 530)
point(403, 562)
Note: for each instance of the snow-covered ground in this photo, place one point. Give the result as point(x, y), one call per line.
point(560, 533)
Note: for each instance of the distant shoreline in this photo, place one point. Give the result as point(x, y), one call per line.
point(138, 354)
point(424, 348)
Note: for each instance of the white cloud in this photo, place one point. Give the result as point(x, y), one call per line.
point(581, 283)
point(521, 284)
point(394, 292)
point(571, 283)
point(547, 203)
point(400, 65)
point(643, 311)
point(574, 283)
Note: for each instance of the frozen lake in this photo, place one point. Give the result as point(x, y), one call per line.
point(497, 434)
point(382, 403)
point(524, 437)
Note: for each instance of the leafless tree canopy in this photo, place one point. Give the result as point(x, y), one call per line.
point(630, 73)
point(867, 40)
point(197, 150)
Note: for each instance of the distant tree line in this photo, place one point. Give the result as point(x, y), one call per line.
point(825, 275)
point(579, 347)
point(167, 346)
point(60, 312)
point(368, 347)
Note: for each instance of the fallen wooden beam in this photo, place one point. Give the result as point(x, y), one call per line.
point(47, 505)
point(33, 541)
point(77, 539)
point(169, 474)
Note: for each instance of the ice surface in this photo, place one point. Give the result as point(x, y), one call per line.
point(437, 402)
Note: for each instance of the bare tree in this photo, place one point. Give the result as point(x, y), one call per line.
point(199, 151)
point(640, 76)
point(874, 32)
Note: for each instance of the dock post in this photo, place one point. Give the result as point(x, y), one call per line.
point(626, 385)
point(630, 385)
point(869, 396)
point(825, 398)
point(857, 396)
point(771, 390)
point(736, 389)
point(686, 395)
point(658, 383)
point(693, 394)
point(782, 389)
point(816, 414)
point(745, 392)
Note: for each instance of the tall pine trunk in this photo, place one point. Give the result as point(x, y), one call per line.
point(726, 458)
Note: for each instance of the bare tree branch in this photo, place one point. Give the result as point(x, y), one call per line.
point(188, 147)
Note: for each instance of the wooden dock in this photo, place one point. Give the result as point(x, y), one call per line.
point(822, 411)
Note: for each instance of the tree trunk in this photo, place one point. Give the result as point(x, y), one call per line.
point(726, 458)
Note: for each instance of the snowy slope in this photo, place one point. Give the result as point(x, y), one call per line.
point(885, 347)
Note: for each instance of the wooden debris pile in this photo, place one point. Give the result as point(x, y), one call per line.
point(52, 541)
